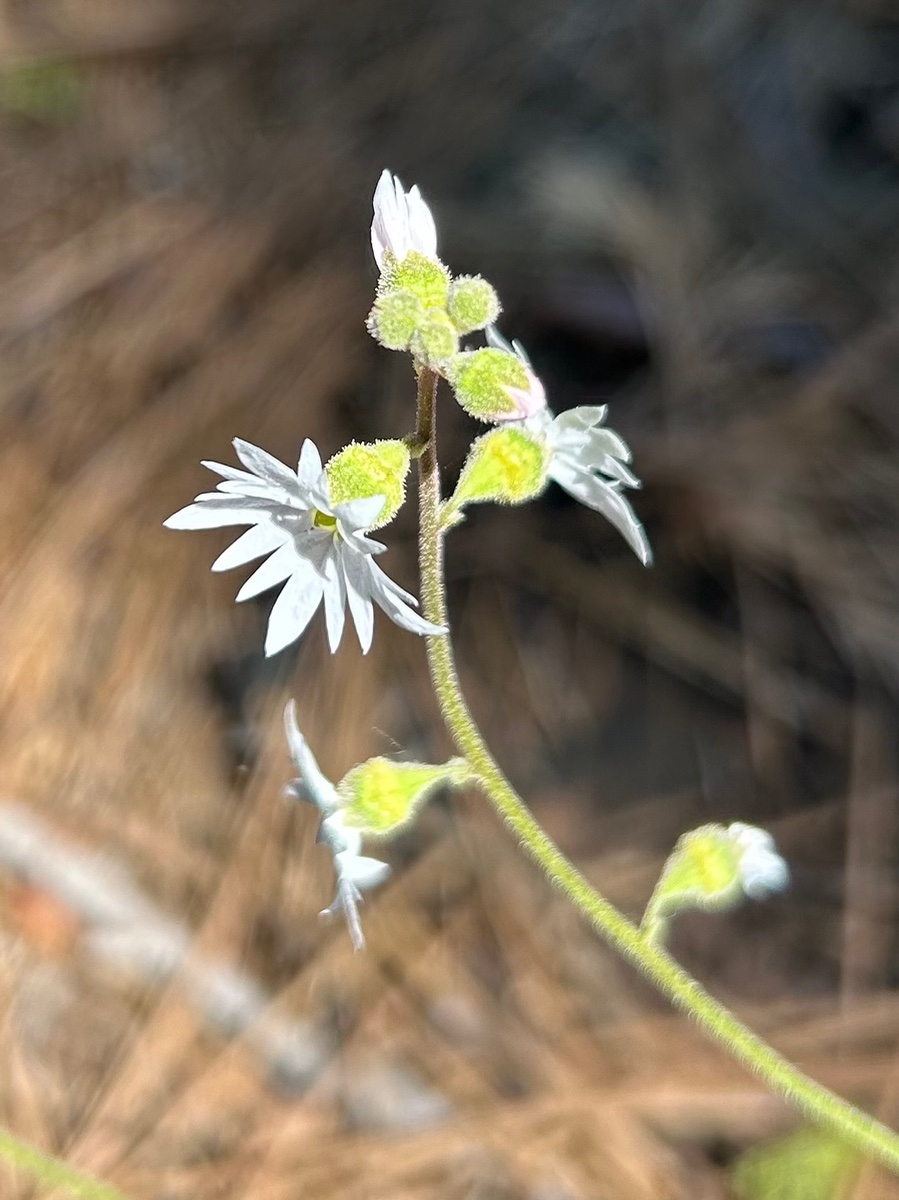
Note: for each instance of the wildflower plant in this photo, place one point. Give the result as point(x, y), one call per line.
point(312, 528)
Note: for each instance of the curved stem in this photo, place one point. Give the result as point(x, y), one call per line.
point(53, 1171)
point(822, 1106)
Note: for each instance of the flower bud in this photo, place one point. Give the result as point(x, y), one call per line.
point(472, 304)
point(711, 869)
point(379, 796)
point(507, 465)
point(365, 469)
point(495, 386)
point(425, 278)
point(435, 340)
point(394, 318)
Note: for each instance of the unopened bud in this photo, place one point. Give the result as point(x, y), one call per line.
point(394, 318)
point(473, 303)
point(495, 386)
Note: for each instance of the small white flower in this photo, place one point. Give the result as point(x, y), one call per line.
point(402, 222)
point(356, 873)
point(762, 870)
point(588, 461)
point(317, 550)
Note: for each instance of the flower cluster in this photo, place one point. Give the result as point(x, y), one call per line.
point(497, 384)
point(572, 449)
point(312, 527)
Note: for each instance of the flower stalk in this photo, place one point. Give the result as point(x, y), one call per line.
point(818, 1103)
point(53, 1172)
point(311, 526)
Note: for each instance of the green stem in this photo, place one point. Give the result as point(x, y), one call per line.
point(52, 1171)
point(821, 1105)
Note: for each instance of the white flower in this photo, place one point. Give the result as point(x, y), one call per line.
point(402, 222)
point(319, 551)
point(762, 870)
point(355, 872)
point(588, 461)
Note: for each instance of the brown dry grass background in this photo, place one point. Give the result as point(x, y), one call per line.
point(691, 210)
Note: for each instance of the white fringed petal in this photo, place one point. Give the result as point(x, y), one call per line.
point(603, 497)
point(257, 541)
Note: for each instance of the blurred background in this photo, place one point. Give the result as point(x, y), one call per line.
point(691, 210)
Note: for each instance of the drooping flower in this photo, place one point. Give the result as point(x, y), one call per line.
point(762, 869)
point(318, 550)
point(587, 460)
point(711, 869)
point(402, 222)
point(355, 871)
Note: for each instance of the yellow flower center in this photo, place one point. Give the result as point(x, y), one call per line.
point(323, 520)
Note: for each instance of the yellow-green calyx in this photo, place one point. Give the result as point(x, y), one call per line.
point(703, 872)
point(479, 379)
point(365, 469)
point(507, 466)
point(435, 340)
point(394, 319)
point(421, 308)
point(809, 1164)
point(473, 303)
point(409, 312)
point(423, 277)
point(380, 796)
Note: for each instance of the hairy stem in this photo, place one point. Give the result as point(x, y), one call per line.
point(52, 1171)
point(822, 1106)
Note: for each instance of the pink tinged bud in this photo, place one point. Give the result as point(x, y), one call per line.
point(528, 401)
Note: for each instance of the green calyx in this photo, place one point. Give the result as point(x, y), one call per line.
point(435, 340)
point(473, 303)
point(380, 796)
point(809, 1164)
point(394, 319)
point(507, 466)
point(423, 277)
point(409, 312)
point(479, 379)
point(702, 872)
point(421, 308)
point(365, 469)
